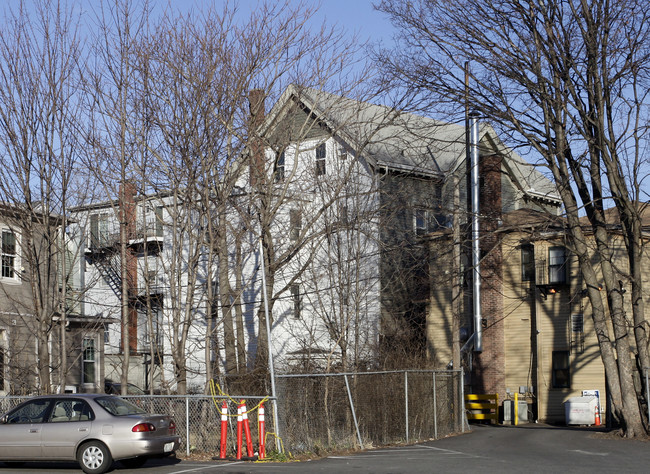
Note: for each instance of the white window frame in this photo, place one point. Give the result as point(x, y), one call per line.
point(558, 260)
point(85, 361)
point(16, 267)
point(421, 221)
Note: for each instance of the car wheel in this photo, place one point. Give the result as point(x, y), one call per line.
point(94, 458)
point(133, 463)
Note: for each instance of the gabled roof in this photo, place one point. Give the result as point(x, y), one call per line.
point(520, 219)
point(401, 141)
point(613, 219)
point(531, 219)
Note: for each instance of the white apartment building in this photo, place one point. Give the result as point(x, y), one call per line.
point(332, 204)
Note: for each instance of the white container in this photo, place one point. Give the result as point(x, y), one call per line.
point(580, 410)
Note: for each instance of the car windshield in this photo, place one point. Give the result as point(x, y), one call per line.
point(118, 406)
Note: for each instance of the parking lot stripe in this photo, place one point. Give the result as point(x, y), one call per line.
point(589, 453)
point(448, 451)
point(204, 466)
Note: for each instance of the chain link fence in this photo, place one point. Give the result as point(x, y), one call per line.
point(197, 417)
point(325, 412)
point(320, 412)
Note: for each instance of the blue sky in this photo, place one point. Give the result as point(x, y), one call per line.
point(355, 16)
point(358, 16)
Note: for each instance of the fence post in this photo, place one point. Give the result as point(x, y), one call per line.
point(406, 402)
point(647, 392)
point(187, 425)
point(354, 414)
point(435, 409)
point(461, 402)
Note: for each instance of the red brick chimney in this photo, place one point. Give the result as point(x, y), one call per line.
point(256, 166)
point(128, 215)
point(490, 363)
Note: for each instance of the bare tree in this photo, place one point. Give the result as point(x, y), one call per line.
point(566, 80)
point(115, 86)
point(40, 110)
point(201, 72)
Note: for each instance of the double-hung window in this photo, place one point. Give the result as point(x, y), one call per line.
point(421, 221)
point(9, 254)
point(88, 360)
point(557, 260)
point(527, 263)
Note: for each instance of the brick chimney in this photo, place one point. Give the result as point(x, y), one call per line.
point(128, 215)
point(256, 166)
point(490, 363)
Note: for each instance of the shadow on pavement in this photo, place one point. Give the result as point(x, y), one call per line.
point(61, 466)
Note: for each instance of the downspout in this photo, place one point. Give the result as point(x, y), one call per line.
point(274, 397)
point(476, 251)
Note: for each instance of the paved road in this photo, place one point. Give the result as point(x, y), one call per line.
point(487, 449)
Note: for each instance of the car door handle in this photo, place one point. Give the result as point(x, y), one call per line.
point(83, 429)
point(33, 430)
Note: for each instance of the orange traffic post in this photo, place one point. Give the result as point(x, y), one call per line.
point(239, 428)
point(261, 431)
point(224, 429)
point(224, 432)
point(597, 413)
point(247, 430)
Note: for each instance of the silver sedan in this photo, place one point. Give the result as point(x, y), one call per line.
point(94, 429)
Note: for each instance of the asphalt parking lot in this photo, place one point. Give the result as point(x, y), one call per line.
point(487, 449)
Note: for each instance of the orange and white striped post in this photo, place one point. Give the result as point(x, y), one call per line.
point(247, 430)
point(261, 431)
point(239, 428)
point(597, 415)
point(224, 429)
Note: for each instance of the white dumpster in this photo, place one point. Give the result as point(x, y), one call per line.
point(580, 410)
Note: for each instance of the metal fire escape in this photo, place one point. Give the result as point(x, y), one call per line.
point(104, 253)
point(107, 262)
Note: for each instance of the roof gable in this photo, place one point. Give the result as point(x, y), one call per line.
point(394, 139)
